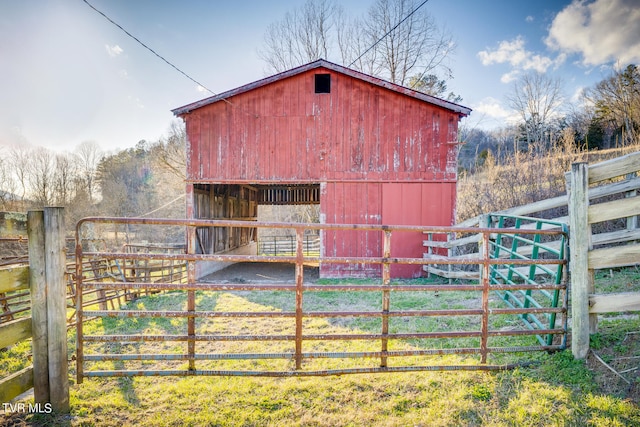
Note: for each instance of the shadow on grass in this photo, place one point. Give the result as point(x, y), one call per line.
point(367, 301)
point(36, 420)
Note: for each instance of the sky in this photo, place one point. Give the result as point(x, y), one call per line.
point(67, 75)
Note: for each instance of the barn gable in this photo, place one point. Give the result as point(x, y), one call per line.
point(321, 63)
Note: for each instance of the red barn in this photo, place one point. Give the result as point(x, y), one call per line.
point(368, 151)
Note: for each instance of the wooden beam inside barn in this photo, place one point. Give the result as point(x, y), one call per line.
point(296, 194)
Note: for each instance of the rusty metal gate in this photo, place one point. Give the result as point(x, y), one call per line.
point(325, 327)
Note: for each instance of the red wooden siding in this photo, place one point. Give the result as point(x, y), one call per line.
point(381, 203)
point(285, 132)
point(351, 203)
point(415, 204)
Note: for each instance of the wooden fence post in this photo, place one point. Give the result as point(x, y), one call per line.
point(54, 244)
point(37, 284)
point(579, 243)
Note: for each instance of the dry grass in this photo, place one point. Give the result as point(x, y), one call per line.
point(503, 182)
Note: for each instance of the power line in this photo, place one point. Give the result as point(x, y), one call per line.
point(388, 32)
point(164, 206)
point(150, 49)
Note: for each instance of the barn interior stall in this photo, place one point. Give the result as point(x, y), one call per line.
point(237, 202)
point(366, 150)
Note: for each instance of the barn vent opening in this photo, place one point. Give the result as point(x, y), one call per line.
point(323, 83)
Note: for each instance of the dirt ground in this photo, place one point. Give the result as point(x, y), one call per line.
point(254, 272)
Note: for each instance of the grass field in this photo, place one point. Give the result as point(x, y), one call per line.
point(554, 390)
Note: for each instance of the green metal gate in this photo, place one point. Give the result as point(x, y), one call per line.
point(537, 246)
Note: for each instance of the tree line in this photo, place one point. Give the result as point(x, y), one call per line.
point(89, 181)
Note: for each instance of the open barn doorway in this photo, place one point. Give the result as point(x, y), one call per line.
point(288, 203)
point(265, 202)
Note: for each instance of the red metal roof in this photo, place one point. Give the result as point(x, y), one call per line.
point(321, 63)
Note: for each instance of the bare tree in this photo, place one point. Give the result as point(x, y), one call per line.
point(19, 157)
point(171, 150)
point(7, 185)
point(65, 179)
point(617, 103)
point(302, 36)
point(537, 98)
point(90, 155)
point(417, 44)
point(126, 180)
point(168, 157)
point(580, 119)
point(354, 44)
point(41, 177)
point(395, 40)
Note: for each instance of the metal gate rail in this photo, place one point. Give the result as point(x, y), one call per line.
point(516, 245)
point(403, 344)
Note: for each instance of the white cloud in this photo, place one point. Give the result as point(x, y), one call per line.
point(114, 50)
point(510, 76)
point(601, 31)
point(514, 53)
point(529, 18)
point(508, 51)
point(492, 108)
point(123, 74)
point(201, 89)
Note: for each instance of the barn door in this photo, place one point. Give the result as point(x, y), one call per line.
point(415, 204)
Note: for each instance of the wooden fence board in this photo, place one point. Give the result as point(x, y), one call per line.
point(614, 167)
point(39, 343)
point(14, 331)
point(524, 210)
point(619, 236)
point(475, 238)
point(629, 184)
point(561, 201)
point(56, 308)
point(456, 274)
point(617, 256)
point(610, 303)
point(613, 210)
point(581, 272)
point(16, 384)
point(14, 279)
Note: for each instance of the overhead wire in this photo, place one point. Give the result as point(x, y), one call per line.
point(154, 52)
point(388, 32)
point(163, 206)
